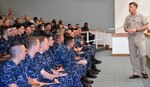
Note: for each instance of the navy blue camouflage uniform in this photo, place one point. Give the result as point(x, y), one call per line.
point(33, 69)
point(63, 57)
point(86, 49)
point(43, 61)
point(4, 45)
point(13, 74)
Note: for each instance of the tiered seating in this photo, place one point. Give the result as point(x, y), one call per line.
point(82, 53)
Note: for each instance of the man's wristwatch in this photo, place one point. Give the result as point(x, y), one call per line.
point(54, 78)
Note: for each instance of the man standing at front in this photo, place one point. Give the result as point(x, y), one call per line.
point(135, 24)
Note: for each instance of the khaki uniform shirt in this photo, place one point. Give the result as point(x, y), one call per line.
point(134, 22)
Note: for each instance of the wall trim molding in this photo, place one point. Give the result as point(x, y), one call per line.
point(107, 47)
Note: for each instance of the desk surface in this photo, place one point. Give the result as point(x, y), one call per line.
point(119, 34)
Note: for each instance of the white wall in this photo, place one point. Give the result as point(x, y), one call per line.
point(120, 45)
point(121, 10)
point(99, 13)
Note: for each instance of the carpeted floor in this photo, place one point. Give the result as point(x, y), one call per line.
point(116, 72)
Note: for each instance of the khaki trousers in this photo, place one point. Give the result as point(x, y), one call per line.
point(137, 56)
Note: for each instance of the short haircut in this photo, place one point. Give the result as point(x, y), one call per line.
point(15, 49)
point(32, 24)
point(19, 26)
point(18, 18)
point(77, 24)
point(53, 21)
point(60, 21)
point(86, 23)
point(35, 18)
point(26, 26)
point(66, 35)
point(32, 41)
point(49, 36)
point(58, 35)
point(69, 24)
point(68, 39)
point(48, 23)
point(67, 30)
point(39, 26)
point(134, 3)
point(5, 30)
point(42, 38)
